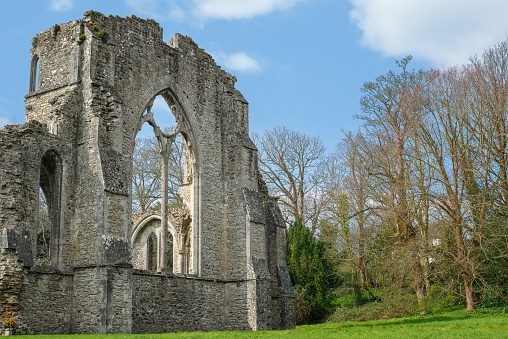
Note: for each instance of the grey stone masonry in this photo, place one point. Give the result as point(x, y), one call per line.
point(83, 266)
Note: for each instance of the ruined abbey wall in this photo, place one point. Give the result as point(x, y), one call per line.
point(91, 82)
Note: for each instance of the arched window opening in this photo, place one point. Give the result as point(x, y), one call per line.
point(151, 252)
point(34, 73)
point(146, 169)
point(43, 232)
point(185, 254)
point(48, 230)
point(170, 252)
point(161, 155)
point(146, 244)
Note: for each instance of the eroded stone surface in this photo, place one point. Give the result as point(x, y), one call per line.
point(97, 76)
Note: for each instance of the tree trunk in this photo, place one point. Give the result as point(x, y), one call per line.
point(363, 277)
point(419, 296)
point(468, 284)
point(426, 271)
point(418, 285)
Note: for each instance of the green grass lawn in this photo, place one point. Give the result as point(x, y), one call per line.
point(484, 323)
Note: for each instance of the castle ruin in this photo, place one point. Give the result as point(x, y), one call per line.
point(92, 84)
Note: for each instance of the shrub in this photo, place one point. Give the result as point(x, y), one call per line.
point(438, 299)
point(313, 278)
point(103, 35)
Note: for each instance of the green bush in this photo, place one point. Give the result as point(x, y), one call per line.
point(312, 276)
point(103, 35)
point(438, 299)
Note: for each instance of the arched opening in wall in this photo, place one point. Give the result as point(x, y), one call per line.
point(145, 243)
point(43, 232)
point(185, 255)
point(170, 252)
point(48, 230)
point(161, 142)
point(151, 252)
point(146, 171)
point(34, 73)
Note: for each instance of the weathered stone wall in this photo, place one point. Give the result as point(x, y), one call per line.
point(281, 290)
point(11, 283)
point(47, 300)
point(173, 304)
point(53, 47)
point(102, 300)
point(23, 147)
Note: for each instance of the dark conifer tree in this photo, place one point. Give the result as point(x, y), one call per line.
point(312, 276)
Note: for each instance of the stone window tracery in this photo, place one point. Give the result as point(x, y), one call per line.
point(175, 183)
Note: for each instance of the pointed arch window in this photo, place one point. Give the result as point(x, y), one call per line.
point(34, 73)
point(151, 252)
point(48, 232)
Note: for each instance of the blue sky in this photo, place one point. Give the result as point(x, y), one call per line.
point(299, 63)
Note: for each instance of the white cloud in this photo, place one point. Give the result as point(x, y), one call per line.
point(176, 12)
point(4, 121)
point(60, 5)
point(204, 10)
point(240, 62)
point(238, 9)
point(441, 32)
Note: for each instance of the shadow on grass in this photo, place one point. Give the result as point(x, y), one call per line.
point(416, 321)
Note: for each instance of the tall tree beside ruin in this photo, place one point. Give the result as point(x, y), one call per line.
point(358, 184)
point(484, 167)
point(344, 226)
point(291, 164)
point(392, 106)
point(447, 134)
point(334, 221)
point(490, 90)
point(490, 94)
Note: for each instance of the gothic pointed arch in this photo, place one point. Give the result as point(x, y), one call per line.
point(50, 185)
point(189, 189)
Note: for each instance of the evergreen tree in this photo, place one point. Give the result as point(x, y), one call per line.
point(312, 276)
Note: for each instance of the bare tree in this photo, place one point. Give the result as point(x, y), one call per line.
point(146, 174)
point(291, 163)
point(358, 183)
point(447, 134)
point(489, 87)
point(392, 108)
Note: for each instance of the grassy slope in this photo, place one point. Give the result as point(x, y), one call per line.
point(456, 324)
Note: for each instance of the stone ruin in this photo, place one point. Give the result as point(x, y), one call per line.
point(92, 84)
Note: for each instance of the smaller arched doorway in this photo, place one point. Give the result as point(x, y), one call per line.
point(147, 240)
